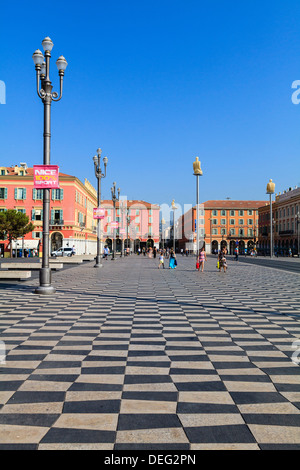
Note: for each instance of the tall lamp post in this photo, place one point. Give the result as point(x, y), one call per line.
point(114, 200)
point(270, 191)
point(197, 172)
point(44, 90)
point(99, 175)
point(174, 209)
point(163, 222)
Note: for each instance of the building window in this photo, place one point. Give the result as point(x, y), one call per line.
point(215, 231)
point(57, 194)
point(223, 221)
point(223, 231)
point(20, 193)
point(223, 212)
point(241, 221)
point(3, 173)
point(250, 232)
point(214, 212)
point(241, 212)
point(232, 231)
point(250, 221)
point(232, 213)
point(250, 212)
point(37, 214)
point(214, 221)
point(241, 232)
point(37, 194)
point(3, 193)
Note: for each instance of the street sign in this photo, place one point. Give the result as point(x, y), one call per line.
point(98, 213)
point(45, 176)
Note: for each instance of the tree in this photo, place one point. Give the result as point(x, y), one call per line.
point(13, 225)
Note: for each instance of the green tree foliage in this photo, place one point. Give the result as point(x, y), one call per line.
point(13, 225)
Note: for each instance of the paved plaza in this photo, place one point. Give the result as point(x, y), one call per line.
point(131, 357)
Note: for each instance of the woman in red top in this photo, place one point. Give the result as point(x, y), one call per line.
point(201, 259)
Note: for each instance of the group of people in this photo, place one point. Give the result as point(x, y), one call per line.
point(169, 254)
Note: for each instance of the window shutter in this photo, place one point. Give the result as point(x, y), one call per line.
point(5, 193)
point(33, 214)
point(34, 194)
point(16, 193)
point(52, 214)
point(24, 193)
point(61, 214)
point(61, 194)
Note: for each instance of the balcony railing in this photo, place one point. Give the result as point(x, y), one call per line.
point(56, 222)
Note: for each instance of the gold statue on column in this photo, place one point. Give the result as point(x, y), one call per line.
point(197, 167)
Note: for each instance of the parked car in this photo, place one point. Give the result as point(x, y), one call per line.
point(62, 252)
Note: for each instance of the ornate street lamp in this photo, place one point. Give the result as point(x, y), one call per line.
point(163, 222)
point(197, 172)
point(99, 175)
point(44, 91)
point(114, 200)
point(174, 209)
point(270, 191)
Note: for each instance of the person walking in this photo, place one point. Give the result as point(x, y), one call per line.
point(172, 261)
point(222, 260)
point(161, 261)
point(201, 259)
point(236, 253)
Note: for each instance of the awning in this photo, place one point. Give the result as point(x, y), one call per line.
point(28, 244)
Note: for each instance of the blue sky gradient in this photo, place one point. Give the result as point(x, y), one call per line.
point(155, 84)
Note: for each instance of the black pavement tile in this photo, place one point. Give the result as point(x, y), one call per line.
point(147, 447)
point(147, 421)
point(53, 378)
point(248, 398)
point(279, 446)
point(213, 386)
point(103, 370)
point(186, 407)
point(145, 379)
point(268, 419)
point(36, 397)
point(59, 365)
point(10, 386)
point(78, 436)
point(92, 406)
point(153, 396)
point(220, 434)
point(18, 446)
point(22, 419)
point(92, 387)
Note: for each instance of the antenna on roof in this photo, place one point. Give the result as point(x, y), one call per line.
point(228, 197)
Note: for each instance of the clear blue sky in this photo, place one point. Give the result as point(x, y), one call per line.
point(155, 84)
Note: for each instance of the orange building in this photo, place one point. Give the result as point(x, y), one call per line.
point(225, 223)
point(71, 209)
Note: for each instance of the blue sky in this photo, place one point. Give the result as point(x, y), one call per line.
point(155, 84)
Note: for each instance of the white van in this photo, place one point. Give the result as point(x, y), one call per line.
point(62, 252)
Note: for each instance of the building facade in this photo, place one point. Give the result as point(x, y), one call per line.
point(137, 224)
point(71, 209)
point(71, 219)
point(222, 223)
point(285, 220)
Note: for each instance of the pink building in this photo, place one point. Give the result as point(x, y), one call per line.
point(138, 224)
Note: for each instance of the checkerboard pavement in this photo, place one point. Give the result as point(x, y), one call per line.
point(131, 357)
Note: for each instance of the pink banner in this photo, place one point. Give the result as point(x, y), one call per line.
point(98, 213)
point(45, 176)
